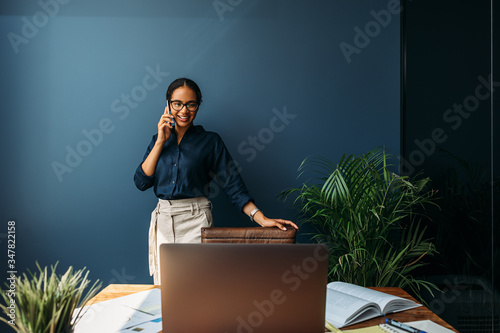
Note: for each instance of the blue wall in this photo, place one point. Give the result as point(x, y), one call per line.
point(89, 78)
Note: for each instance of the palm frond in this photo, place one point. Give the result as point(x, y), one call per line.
point(355, 205)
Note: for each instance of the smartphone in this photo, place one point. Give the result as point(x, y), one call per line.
point(168, 107)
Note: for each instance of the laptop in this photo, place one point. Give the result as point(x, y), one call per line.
point(243, 288)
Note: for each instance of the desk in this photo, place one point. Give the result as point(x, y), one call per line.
point(420, 313)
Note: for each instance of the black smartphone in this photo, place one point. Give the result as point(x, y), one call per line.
point(168, 107)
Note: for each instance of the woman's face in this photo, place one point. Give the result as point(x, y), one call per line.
point(183, 95)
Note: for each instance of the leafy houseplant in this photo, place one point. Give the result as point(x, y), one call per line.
point(369, 217)
point(46, 303)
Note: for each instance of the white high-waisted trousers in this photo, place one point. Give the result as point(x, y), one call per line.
point(176, 221)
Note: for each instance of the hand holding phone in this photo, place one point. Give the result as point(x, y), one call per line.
point(170, 113)
point(165, 125)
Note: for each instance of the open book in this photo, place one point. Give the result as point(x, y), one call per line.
point(347, 304)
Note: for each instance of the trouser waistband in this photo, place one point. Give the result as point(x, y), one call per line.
point(182, 206)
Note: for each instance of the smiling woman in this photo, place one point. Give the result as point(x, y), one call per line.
point(181, 160)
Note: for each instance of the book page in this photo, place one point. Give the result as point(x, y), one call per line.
point(388, 303)
point(343, 309)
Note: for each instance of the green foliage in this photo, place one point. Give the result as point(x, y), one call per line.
point(45, 303)
point(369, 217)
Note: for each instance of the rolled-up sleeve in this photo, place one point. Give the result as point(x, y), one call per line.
point(141, 180)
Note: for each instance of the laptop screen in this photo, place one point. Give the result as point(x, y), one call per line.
point(243, 288)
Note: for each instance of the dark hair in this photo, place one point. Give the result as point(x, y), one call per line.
point(184, 82)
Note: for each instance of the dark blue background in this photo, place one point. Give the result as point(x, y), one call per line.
point(254, 58)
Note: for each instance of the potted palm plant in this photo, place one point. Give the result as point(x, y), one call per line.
point(368, 216)
point(46, 302)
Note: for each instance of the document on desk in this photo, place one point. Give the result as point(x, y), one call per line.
point(423, 325)
point(427, 326)
point(152, 326)
point(123, 314)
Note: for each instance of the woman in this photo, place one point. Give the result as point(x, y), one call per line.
point(180, 162)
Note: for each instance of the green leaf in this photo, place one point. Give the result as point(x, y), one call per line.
point(45, 303)
point(358, 205)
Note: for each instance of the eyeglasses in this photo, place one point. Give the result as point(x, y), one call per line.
point(190, 106)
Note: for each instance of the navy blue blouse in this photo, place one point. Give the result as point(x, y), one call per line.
point(185, 170)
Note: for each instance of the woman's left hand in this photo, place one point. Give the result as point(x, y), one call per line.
point(261, 219)
point(280, 223)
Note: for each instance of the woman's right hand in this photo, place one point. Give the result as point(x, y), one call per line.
point(164, 131)
point(165, 127)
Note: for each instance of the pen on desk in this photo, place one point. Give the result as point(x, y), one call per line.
point(403, 326)
point(332, 328)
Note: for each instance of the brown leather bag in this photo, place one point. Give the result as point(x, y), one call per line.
point(247, 235)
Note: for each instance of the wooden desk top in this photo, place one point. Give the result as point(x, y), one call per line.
point(117, 290)
point(421, 313)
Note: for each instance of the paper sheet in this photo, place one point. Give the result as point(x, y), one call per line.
point(123, 314)
point(150, 326)
point(427, 326)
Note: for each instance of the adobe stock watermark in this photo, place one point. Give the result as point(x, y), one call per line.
point(372, 29)
point(121, 277)
point(292, 279)
point(32, 25)
point(94, 137)
point(12, 278)
point(251, 146)
point(223, 6)
point(454, 118)
point(258, 142)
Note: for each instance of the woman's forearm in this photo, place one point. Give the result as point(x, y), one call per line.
point(149, 164)
point(249, 207)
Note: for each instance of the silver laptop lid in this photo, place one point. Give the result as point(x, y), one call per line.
point(243, 288)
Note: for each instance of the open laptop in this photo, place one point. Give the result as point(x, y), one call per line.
point(243, 288)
